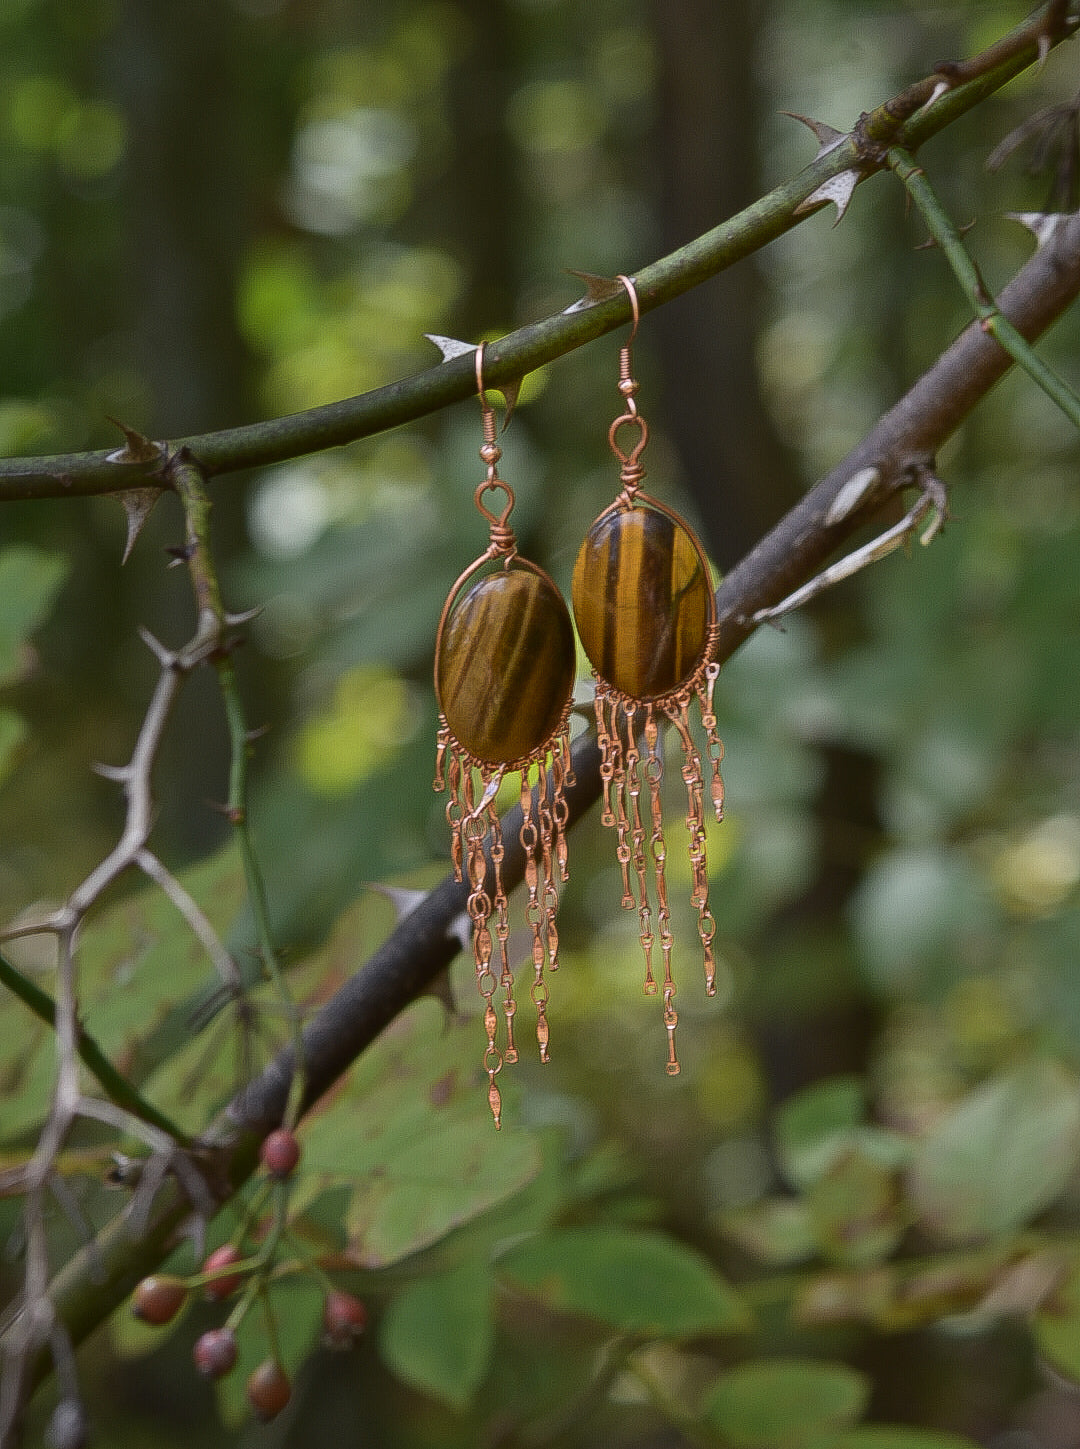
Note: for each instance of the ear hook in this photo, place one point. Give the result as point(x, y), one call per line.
point(633, 470)
point(502, 535)
point(488, 410)
point(631, 292)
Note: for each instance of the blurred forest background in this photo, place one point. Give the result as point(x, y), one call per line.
point(231, 209)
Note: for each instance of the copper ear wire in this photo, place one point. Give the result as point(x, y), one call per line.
point(503, 541)
point(632, 471)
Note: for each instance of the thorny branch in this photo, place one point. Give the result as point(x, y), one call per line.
point(914, 116)
point(33, 1322)
point(899, 453)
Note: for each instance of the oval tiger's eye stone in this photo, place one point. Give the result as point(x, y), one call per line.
point(641, 597)
point(506, 666)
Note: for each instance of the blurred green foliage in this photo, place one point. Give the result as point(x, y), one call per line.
point(868, 1168)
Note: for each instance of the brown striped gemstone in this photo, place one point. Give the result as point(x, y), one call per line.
point(640, 598)
point(506, 666)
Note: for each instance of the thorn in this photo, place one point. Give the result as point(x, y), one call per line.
point(460, 930)
point(403, 900)
point(838, 189)
point(1044, 45)
point(138, 504)
point(1041, 224)
point(450, 347)
point(828, 136)
point(931, 242)
point(180, 554)
point(235, 621)
point(851, 494)
point(137, 449)
point(511, 391)
point(941, 88)
point(164, 657)
point(442, 989)
point(597, 289)
point(234, 814)
point(121, 774)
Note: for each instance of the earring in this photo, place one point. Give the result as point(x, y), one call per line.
point(645, 611)
point(504, 681)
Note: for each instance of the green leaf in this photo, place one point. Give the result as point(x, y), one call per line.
point(1000, 1156)
point(817, 1126)
point(412, 1135)
point(29, 582)
point(141, 963)
point(639, 1282)
point(911, 909)
point(854, 1211)
point(772, 1403)
point(140, 969)
point(200, 1073)
point(437, 1334)
point(27, 1068)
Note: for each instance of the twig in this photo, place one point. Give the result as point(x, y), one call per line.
point(32, 1326)
point(933, 499)
point(193, 913)
point(948, 238)
point(190, 484)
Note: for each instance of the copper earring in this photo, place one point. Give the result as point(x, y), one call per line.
point(644, 607)
point(504, 681)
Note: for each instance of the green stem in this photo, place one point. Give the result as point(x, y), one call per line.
point(905, 120)
point(117, 1087)
point(941, 228)
point(189, 482)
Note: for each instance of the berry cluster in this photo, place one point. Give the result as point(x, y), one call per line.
point(159, 1298)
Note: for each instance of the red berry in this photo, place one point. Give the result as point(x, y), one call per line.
point(344, 1319)
point(280, 1153)
point(215, 1352)
point(158, 1299)
point(225, 1286)
point(268, 1390)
